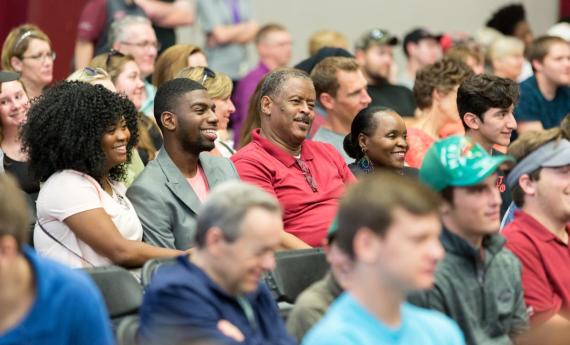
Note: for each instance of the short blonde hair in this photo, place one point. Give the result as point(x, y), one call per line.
point(171, 61)
point(89, 75)
point(505, 46)
point(326, 38)
point(219, 87)
point(17, 43)
point(112, 64)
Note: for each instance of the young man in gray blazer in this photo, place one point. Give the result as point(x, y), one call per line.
point(171, 189)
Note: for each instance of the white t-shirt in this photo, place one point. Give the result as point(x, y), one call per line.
point(69, 192)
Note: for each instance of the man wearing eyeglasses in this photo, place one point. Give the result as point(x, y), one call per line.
point(135, 36)
point(373, 51)
point(341, 91)
point(307, 177)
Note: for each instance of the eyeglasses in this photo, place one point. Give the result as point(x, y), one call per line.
point(50, 56)
point(208, 73)
point(112, 53)
point(92, 72)
point(144, 44)
point(307, 173)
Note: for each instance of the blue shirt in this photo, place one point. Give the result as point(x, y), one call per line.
point(532, 106)
point(68, 309)
point(182, 304)
point(347, 323)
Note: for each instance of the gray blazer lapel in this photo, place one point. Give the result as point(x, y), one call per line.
point(214, 173)
point(176, 182)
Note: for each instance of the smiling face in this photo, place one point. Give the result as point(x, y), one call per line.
point(129, 82)
point(224, 108)
point(242, 263)
point(555, 67)
point(36, 63)
point(196, 122)
point(114, 143)
point(14, 104)
point(287, 116)
point(497, 125)
point(387, 146)
point(141, 43)
point(552, 192)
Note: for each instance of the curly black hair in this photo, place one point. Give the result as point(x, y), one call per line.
point(506, 18)
point(65, 127)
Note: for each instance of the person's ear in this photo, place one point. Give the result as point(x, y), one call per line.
point(8, 247)
point(168, 121)
point(527, 185)
point(363, 142)
point(214, 240)
point(16, 64)
point(366, 245)
point(326, 100)
point(472, 121)
point(266, 103)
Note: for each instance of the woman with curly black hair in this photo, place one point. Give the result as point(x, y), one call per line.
point(78, 138)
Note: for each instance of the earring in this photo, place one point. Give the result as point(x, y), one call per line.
point(364, 163)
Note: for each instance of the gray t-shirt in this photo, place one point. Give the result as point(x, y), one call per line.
point(327, 136)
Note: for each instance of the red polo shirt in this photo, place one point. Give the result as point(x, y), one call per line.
point(545, 266)
point(307, 214)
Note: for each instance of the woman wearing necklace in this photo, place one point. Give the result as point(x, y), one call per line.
point(14, 106)
point(79, 139)
point(377, 141)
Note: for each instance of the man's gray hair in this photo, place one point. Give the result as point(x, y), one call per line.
point(118, 30)
point(274, 81)
point(226, 207)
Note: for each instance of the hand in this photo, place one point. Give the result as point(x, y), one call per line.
point(230, 331)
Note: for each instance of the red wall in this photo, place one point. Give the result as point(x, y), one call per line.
point(57, 18)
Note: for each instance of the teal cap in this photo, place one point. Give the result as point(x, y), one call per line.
point(457, 162)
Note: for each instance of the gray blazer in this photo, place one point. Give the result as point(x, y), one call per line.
point(165, 202)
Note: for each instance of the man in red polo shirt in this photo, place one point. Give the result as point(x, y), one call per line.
point(539, 234)
point(307, 177)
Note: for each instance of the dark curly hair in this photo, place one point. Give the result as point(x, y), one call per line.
point(443, 76)
point(65, 127)
point(506, 18)
point(479, 93)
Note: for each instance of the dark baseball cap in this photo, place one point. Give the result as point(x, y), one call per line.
point(375, 36)
point(419, 34)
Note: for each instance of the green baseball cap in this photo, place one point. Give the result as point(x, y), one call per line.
point(457, 162)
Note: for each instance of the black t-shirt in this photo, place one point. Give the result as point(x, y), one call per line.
point(20, 170)
point(396, 97)
point(502, 187)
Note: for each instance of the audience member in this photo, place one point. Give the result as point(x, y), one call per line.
point(94, 24)
point(435, 91)
point(545, 97)
point(171, 189)
point(174, 59)
point(253, 119)
point(78, 138)
point(312, 304)
point(33, 290)
point(134, 36)
point(422, 48)
point(28, 51)
point(215, 296)
point(538, 235)
point(469, 54)
point(485, 105)
point(341, 91)
point(389, 227)
point(326, 38)
point(373, 51)
point(126, 77)
point(273, 43)
point(14, 106)
point(506, 57)
point(219, 87)
point(229, 27)
point(510, 20)
point(492, 309)
point(377, 141)
point(98, 76)
point(307, 177)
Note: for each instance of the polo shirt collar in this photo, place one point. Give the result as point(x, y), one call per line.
point(456, 244)
point(281, 155)
point(538, 230)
